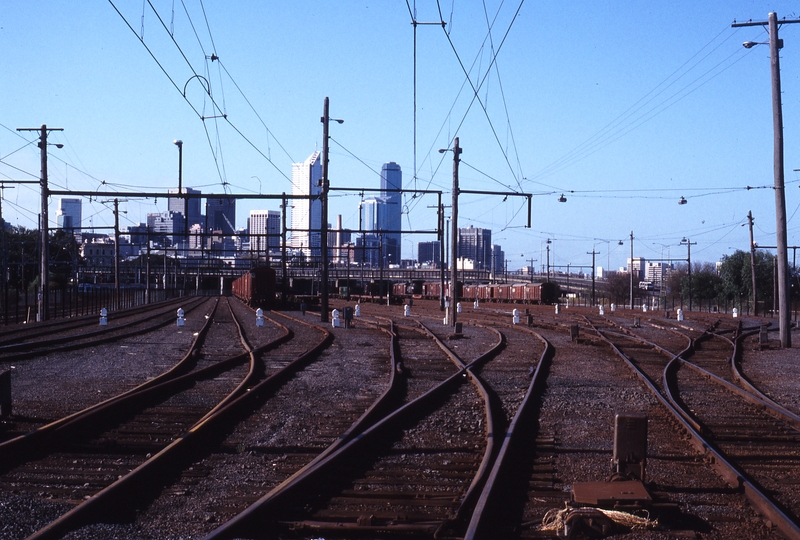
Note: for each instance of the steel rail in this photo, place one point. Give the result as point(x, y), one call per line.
point(120, 496)
point(482, 523)
point(489, 454)
point(729, 472)
point(31, 349)
point(13, 449)
point(21, 331)
point(249, 522)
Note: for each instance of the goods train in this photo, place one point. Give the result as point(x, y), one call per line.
point(519, 293)
point(256, 288)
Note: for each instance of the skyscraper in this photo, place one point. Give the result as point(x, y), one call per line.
point(178, 204)
point(307, 213)
point(68, 216)
point(221, 215)
point(476, 244)
point(391, 180)
point(265, 228)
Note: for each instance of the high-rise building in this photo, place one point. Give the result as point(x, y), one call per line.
point(498, 260)
point(221, 215)
point(476, 244)
point(178, 204)
point(68, 216)
point(372, 218)
point(307, 213)
point(429, 252)
point(265, 230)
point(391, 180)
point(165, 226)
point(637, 266)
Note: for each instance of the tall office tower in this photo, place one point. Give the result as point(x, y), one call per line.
point(392, 179)
point(498, 263)
point(476, 244)
point(307, 213)
point(265, 229)
point(178, 204)
point(637, 267)
point(372, 210)
point(429, 252)
point(68, 216)
point(221, 215)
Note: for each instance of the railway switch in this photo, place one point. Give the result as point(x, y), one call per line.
point(180, 316)
point(104, 317)
point(626, 491)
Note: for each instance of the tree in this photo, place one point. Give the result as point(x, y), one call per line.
point(736, 277)
point(618, 286)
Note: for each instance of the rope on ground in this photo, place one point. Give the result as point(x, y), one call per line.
point(597, 519)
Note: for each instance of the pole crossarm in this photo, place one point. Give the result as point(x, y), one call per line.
point(762, 23)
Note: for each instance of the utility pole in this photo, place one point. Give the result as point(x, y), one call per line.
point(454, 236)
point(116, 254)
point(323, 289)
point(753, 264)
point(593, 253)
point(441, 253)
point(44, 269)
point(689, 261)
point(784, 299)
point(284, 281)
point(631, 271)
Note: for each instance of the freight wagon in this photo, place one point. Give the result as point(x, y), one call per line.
point(256, 288)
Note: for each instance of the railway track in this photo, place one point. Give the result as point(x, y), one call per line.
point(76, 459)
point(413, 472)
point(752, 444)
point(67, 337)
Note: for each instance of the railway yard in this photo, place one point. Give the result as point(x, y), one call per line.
point(571, 423)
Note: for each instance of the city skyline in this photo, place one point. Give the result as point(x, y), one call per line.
point(663, 105)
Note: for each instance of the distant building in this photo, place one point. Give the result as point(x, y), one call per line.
point(656, 272)
point(476, 244)
point(429, 252)
point(179, 204)
point(391, 179)
point(265, 230)
point(637, 266)
point(221, 215)
point(68, 216)
point(498, 259)
point(307, 213)
point(165, 226)
point(98, 253)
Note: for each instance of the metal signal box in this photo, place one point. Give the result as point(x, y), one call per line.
point(630, 445)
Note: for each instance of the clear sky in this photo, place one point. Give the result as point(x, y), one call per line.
point(622, 107)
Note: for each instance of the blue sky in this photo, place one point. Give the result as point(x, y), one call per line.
point(623, 107)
